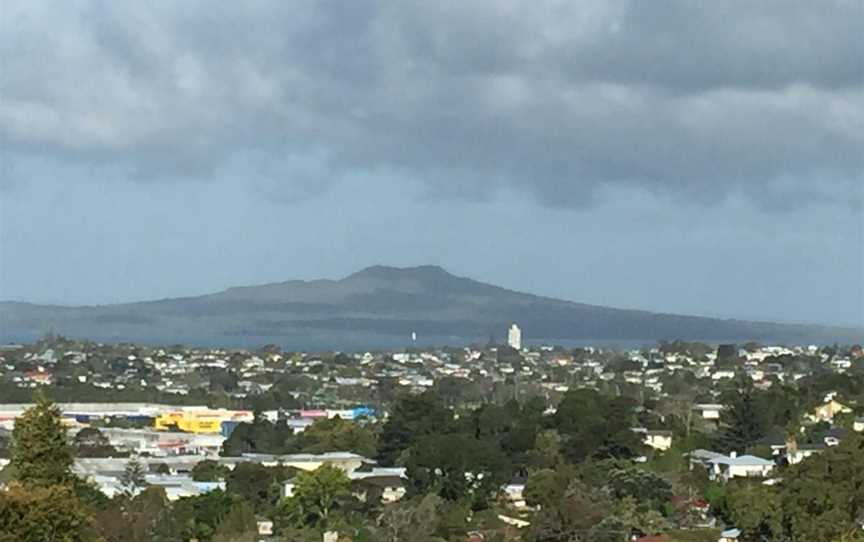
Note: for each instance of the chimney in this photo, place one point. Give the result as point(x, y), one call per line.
point(733, 455)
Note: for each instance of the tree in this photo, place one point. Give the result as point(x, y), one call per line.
point(823, 497)
point(680, 407)
point(35, 513)
point(577, 517)
point(456, 466)
point(40, 454)
point(415, 519)
point(209, 471)
point(413, 417)
point(336, 434)
point(260, 436)
point(693, 535)
point(546, 487)
point(238, 525)
point(854, 535)
point(639, 517)
point(642, 486)
point(316, 494)
point(88, 493)
point(143, 518)
point(256, 484)
point(42, 503)
point(223, 381)
point(594, 425)
point(744, 422)
point(452, 390)
point(547, 450)
point(132, 480)
point(755, 509)
point(90, 442)
point(199, 517)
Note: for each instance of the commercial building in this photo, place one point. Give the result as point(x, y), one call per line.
point(200, 420)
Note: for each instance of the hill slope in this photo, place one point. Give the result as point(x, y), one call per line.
point(380, 307)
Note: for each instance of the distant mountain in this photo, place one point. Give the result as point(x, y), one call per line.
point(379, 307)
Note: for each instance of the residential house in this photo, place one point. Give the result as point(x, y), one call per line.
point(827, 411)
point(725, 468)
point(657, 439)
point(514, 492)
point(709, 411)
point(386, 485)
point(798, 453)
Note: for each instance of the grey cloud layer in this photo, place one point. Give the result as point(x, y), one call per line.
point(556, 97)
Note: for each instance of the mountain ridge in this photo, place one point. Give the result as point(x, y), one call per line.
point(382, 305)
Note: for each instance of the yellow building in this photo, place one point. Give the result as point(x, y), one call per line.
point(198, 421)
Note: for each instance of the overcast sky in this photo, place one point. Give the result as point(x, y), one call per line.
point(693, 157)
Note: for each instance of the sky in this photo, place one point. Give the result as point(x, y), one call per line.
point(691, 157)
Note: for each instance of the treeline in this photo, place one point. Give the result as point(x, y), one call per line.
point(281, 395)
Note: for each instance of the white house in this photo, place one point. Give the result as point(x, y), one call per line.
point(390, 482)
point(709, 411)
point(734, 466)
point(514, 491)
point(657, 439)
point(802, 452)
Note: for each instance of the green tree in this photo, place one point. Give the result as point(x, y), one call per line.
point(411, 519)
point(822, 498)
point(40, 454)
point(90, 442)
point(546, 487)
point(132, 480)
point(209, 471)
point(42, 503)
point(256, 484)
point(199, 516)
point(316, 494)
point(693, 535)
point(744, 420)
point(338, 435)
point(456, 466)
point(143, 518)
point(413, 417)
point(577, 517)
point(260, 436)
point(755, 509)
point(238, 525)
point(642, 486)
point(639, 517)
point(546, 453)
point(593, 425)
point(43, 513)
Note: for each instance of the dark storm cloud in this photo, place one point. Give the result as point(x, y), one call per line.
point(553, 97)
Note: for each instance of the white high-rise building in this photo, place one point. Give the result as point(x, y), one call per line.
point(514, 337)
